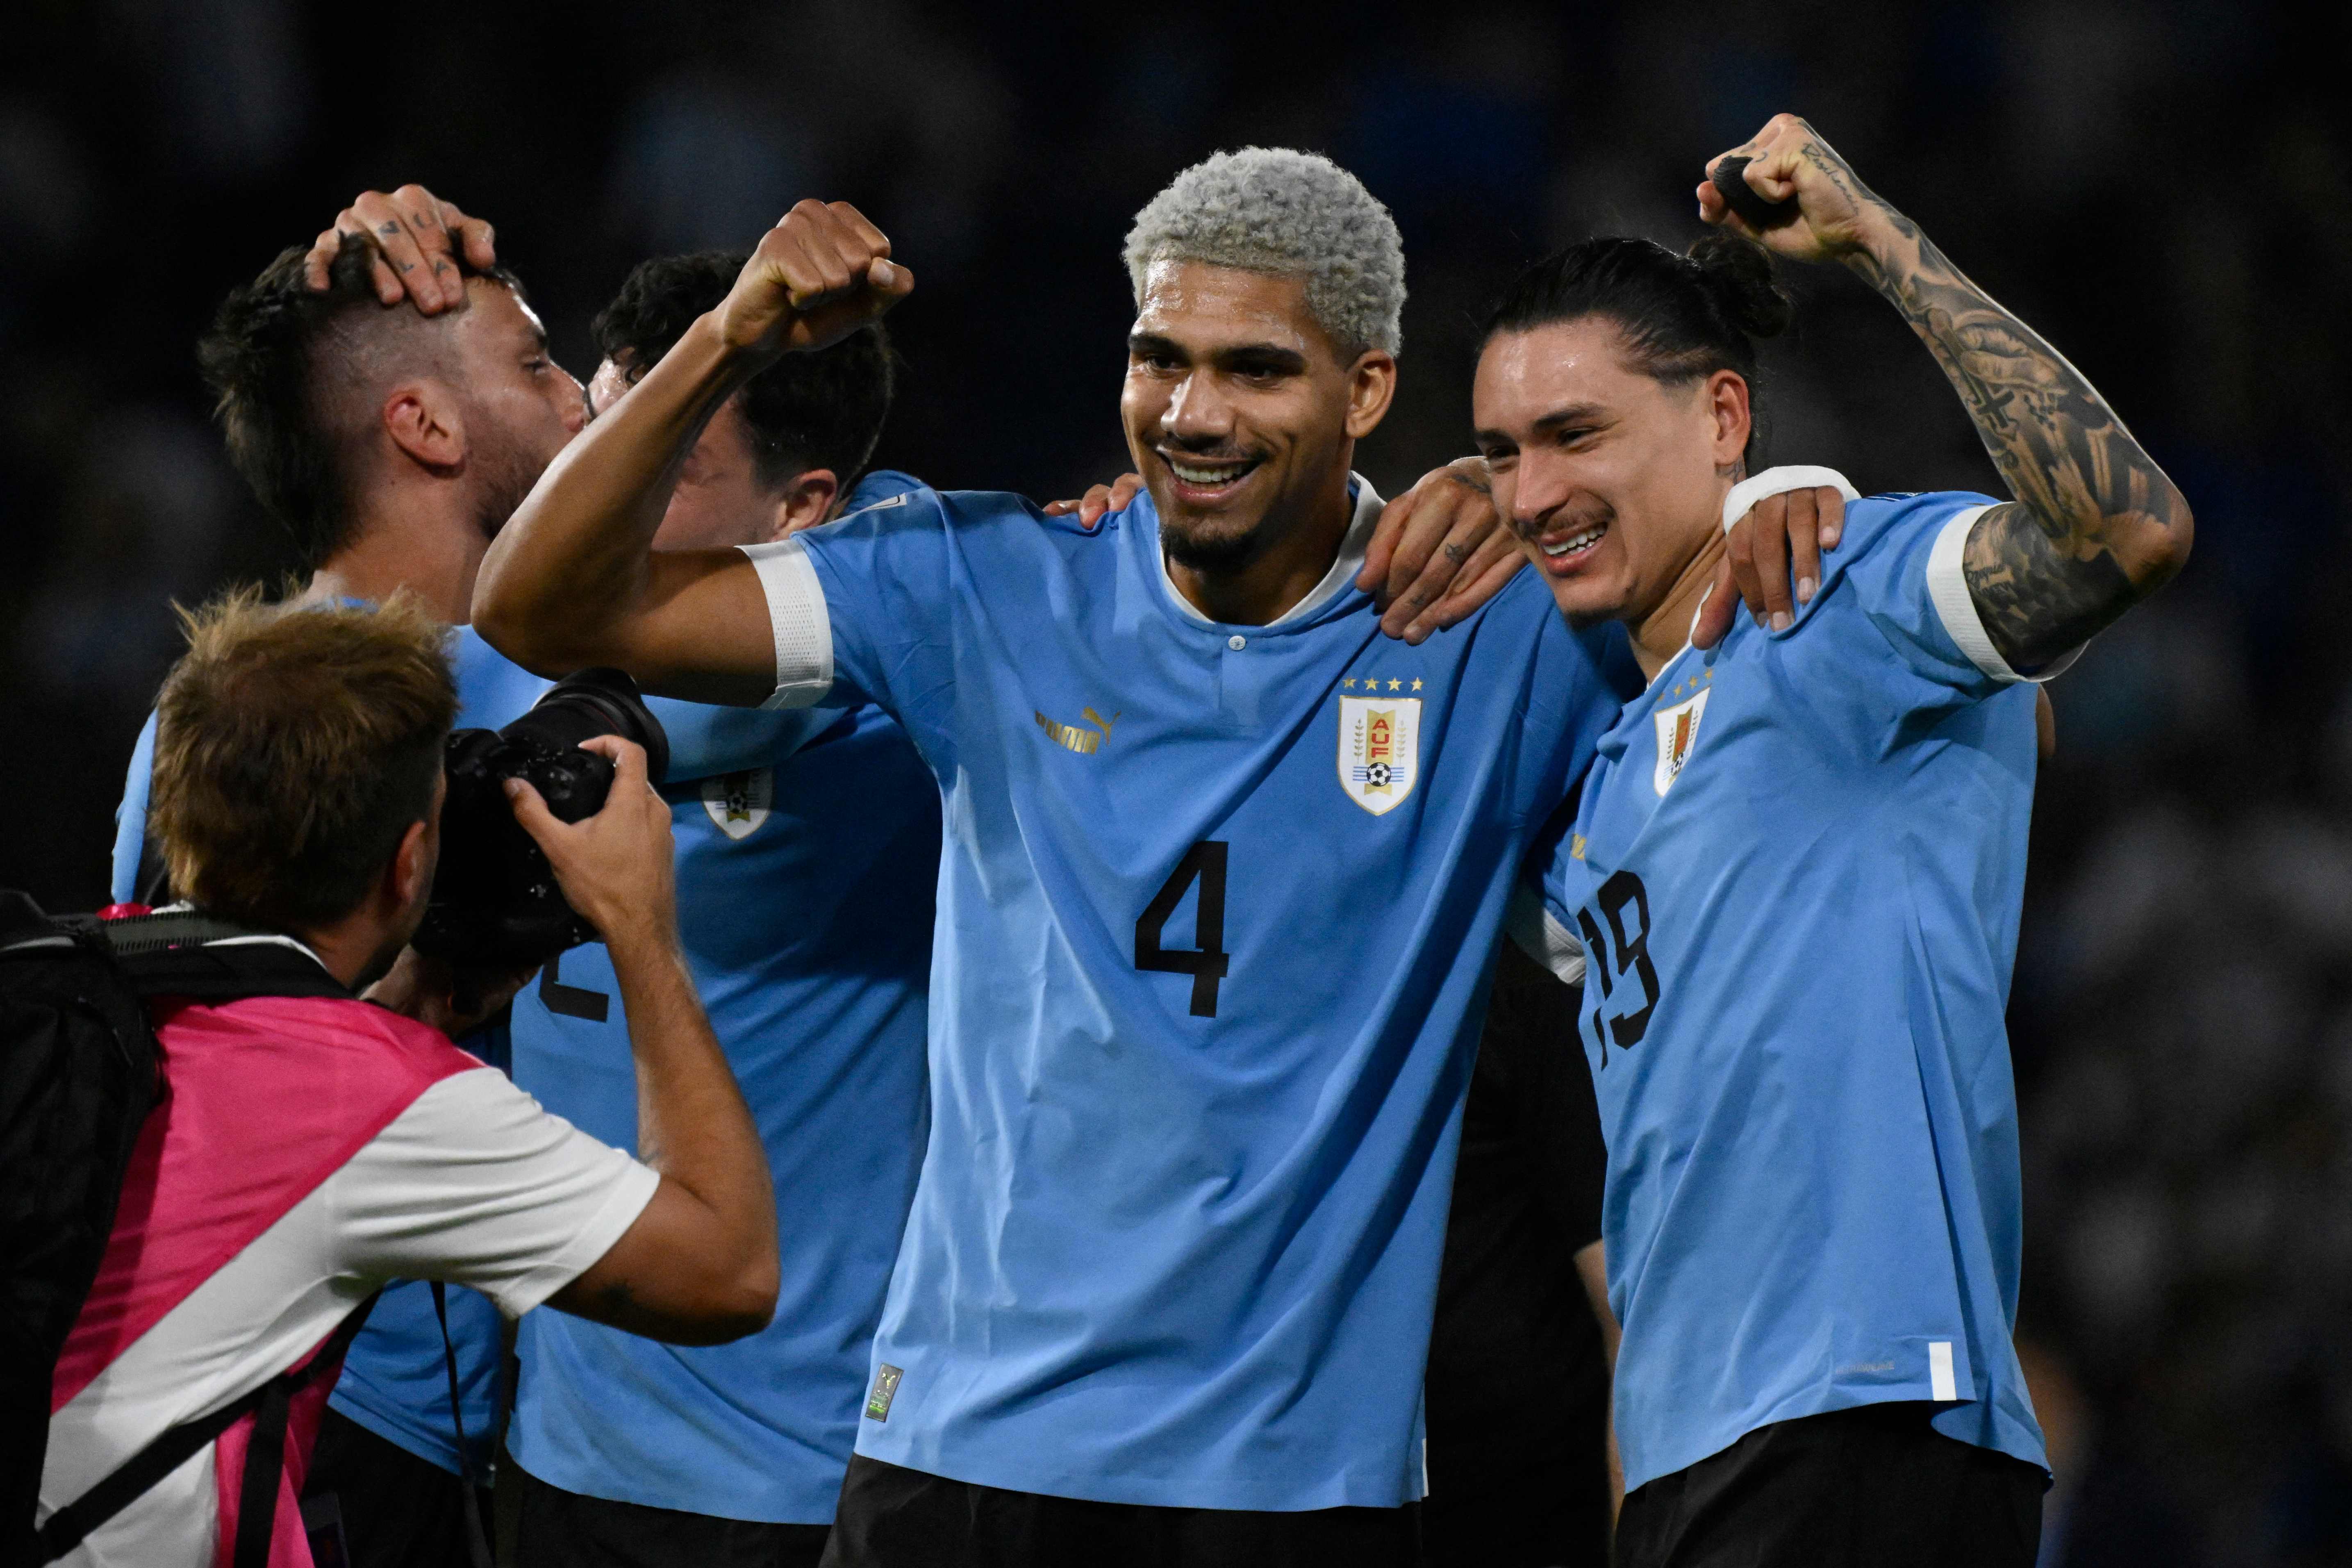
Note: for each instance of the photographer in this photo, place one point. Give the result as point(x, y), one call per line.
point(308, 1148)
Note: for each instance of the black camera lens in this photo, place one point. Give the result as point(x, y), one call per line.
point(495, 902)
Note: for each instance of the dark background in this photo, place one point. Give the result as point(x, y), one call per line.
point(2161, 189)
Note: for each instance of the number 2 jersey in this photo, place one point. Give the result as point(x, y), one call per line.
point(1797, 868)
point(1200, 1016)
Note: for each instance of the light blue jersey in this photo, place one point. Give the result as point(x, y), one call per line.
point(808, 846)
point(805, 875)
point(1201, 1014)
point(1797, 869)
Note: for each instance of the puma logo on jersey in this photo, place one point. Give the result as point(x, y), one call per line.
point(1077, 738)
point(1677, 733)
point(738, 802)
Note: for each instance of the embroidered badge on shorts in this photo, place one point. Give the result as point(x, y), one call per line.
point(886, 1389)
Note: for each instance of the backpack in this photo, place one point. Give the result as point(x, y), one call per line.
point(79, 1074)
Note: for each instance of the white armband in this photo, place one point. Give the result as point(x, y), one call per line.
point(1780, 481)
point(1947, 589)
point(798, 620)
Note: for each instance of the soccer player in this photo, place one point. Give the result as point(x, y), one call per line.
point(808, 846)
point(1213, 845)
point(1797, 866)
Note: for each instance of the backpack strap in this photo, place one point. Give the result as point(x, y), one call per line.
point(265, 1459)
point(185, 954)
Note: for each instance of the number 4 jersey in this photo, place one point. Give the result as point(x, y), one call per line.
point(1213, 911)
point(1797, 868)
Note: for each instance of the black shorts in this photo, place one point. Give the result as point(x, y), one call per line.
point(895, 1518)
point(1871, 1488)
point(566, 1529)
point(367, 1502)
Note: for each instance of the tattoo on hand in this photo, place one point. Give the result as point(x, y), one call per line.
point(2093, 527)
point(1469, 482)
point(1456, 554)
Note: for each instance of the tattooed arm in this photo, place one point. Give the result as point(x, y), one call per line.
point(2095, 527)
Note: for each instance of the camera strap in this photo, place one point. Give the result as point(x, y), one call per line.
point(477, 1544)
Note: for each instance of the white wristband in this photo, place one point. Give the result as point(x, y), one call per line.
point(1780, 481)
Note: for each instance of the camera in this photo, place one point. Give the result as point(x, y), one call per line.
point(494, 902)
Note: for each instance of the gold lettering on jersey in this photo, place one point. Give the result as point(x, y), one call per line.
point(1077, 738)
point(1379, 750)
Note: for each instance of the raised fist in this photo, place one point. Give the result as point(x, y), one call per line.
point(1836, 214)
point(816, 277)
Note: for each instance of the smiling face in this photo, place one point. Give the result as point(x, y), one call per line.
point(1240, 414)
point(1612, 478)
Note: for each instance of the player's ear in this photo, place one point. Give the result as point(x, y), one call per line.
point(423, 420)
point(1727, 408)
point(1371, 386)
point(808, 501)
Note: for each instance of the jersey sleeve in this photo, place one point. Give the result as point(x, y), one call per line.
point(1910, 583)
point(1534, 926)
point(477, 1184)
point(131, 818)
point(858, 607)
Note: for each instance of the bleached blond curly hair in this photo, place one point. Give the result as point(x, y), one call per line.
point(1274, 209)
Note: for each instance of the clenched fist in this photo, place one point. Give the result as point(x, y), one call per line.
point(1837, 215)
point(816, 278)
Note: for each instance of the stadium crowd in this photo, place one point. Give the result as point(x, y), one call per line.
point(2184, 1122)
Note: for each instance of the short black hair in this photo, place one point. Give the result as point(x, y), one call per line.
point(823, 410)
point(1684, 316)
point(265, 360)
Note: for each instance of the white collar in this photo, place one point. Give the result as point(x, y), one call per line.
point(1359, 539)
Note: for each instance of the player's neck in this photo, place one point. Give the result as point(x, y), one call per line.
point(1267, 587)
point(433, 552)
point(1660, 634)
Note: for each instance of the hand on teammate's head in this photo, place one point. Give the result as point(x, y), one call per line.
point(416, 238)
point(618, 867)
point(816, 278)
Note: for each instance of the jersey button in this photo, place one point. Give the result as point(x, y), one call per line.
point(1237, 642)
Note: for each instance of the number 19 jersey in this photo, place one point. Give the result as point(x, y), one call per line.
point(1797, 868)
point(1213, 914)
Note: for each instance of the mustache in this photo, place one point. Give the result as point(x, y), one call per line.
point(1576, 512)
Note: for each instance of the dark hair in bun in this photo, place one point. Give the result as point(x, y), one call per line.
point(1682, 317)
